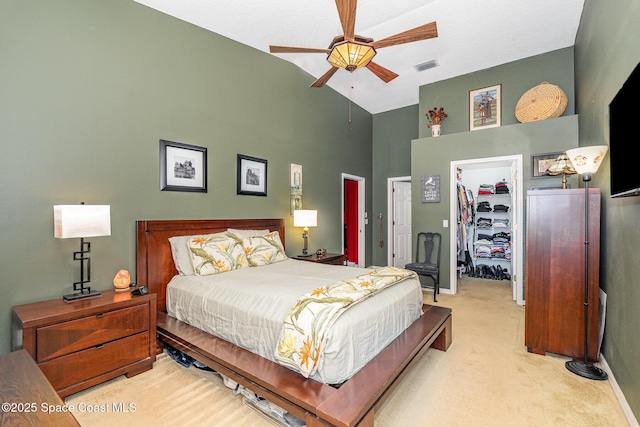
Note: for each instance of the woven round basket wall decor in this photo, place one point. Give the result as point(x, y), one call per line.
point(545, 101)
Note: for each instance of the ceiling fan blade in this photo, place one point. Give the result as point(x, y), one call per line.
point(347, 13)
point(324, 78)
point(427, 31)
point(290, 49)
point(385, 74)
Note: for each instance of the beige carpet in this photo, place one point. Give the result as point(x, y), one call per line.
point(487, 378)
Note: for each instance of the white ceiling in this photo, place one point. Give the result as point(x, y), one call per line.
point(472, 35)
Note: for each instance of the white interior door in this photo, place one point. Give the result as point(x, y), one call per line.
point(516, 241)
point(401, 223)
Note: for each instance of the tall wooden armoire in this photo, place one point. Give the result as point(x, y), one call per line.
point(555, 272)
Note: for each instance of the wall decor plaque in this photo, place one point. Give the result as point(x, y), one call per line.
point(430, 189)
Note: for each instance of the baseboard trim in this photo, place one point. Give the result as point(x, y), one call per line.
point(633, 422)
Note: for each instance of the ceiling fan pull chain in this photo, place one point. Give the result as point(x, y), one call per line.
point(350, 91)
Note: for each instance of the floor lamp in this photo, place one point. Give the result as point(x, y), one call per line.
point(586, 161)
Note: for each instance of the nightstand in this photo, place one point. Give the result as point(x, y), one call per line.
point(334, 259)
point(86, 342)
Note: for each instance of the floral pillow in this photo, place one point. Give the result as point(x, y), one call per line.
point(265, 249)
point(182, 253)
point(216, 253)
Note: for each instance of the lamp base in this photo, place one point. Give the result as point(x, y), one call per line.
point(79, 295)
point(304, 255)
point(586, 371)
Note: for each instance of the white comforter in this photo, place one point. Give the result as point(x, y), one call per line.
point(247, 307)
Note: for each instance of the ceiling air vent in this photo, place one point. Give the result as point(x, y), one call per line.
point(426, 65)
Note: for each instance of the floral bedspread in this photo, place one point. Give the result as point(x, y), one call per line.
point(304, 329)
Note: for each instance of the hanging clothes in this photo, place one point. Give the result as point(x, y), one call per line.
point(465, 220)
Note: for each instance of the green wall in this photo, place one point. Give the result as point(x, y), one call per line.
point(433, 156)
point(515, 78)
point(87, 90)
point(88, 87)
point(606, 52)
point(393, 132)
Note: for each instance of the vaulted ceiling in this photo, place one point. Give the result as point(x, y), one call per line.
point(472, 35)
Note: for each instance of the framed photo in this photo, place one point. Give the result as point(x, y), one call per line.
point(252, 176)
point(296, 187)
point(540, 163)
point(485, 107)
point(183, 167)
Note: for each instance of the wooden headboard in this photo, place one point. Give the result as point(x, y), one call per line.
point(154, 261)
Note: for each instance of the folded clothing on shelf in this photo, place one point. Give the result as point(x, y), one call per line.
point(483, 251)
point(484, 207)
point(502, 238)
point(486, 189)
point(484, 239)
point(502, 187)
point(500, 223)
point(483, 222)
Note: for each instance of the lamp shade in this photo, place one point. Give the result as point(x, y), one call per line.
point(305, 218)
point(562, 165)
point(72, 221)
point(351, 55)
point(587, 159)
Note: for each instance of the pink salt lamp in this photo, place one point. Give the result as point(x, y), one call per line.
point(122, 280)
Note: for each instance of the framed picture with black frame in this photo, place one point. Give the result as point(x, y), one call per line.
point(541, 162)
point(251, 176)
point(183, 167)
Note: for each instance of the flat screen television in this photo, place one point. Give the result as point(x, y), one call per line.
point(623, 127)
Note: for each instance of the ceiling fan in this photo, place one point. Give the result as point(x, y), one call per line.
point(350, 51)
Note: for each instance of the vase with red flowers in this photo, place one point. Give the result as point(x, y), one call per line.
point(435, 116)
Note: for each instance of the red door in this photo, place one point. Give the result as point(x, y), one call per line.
point(351, 220)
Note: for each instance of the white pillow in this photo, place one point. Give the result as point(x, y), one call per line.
point(181, 257)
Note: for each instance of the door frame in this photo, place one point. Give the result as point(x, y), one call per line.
point(517, 224)
point(390, 210)
point(361, 215)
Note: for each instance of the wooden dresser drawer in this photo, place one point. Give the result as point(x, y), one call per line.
point(89, 341)
point(68, 337)
point(75, 368)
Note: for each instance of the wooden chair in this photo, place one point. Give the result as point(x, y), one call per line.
point(429, 265)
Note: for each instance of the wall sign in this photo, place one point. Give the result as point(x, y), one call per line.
point(430, 188)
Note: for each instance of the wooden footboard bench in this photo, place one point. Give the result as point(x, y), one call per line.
point(351, 404)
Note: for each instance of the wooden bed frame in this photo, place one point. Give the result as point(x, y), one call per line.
point(351, 404)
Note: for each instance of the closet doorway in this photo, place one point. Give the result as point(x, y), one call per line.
point(494, 169)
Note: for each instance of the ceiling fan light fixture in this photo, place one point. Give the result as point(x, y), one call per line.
point(351, 55)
